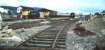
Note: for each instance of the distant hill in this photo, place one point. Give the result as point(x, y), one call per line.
point(9, 7)
point(33, 9)
point(103, 11)
point(14, 9)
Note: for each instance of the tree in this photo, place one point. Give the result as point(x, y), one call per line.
point(103, 11)
point(97, 13)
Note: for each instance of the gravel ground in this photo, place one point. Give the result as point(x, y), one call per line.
point(21, 35)
point(76, 42)
point(96, 25)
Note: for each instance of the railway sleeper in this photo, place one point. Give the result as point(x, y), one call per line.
point(42, 39)
point(60, 43)
point(62, 34)
point(61, 37)
point(40, 42)
point(61, 46)
point(61, 40)
point(37, 45)
point(55, 30)
point(51, 33)
point(47, 36)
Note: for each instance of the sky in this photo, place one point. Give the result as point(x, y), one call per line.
point(78, 6)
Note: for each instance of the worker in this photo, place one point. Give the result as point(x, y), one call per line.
point(0, 22)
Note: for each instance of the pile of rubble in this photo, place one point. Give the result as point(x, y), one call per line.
point(13, 34)
point(78, 38)
point(8, 38)
point(24, 25)
point(87, 36)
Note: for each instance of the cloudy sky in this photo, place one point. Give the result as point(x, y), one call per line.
point(79, 6)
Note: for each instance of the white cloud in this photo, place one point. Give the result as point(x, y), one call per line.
point(59, 5)
point(10, 2)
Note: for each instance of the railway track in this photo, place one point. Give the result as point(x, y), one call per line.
point(53, 37)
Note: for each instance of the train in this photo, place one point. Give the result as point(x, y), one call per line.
point(31, 13)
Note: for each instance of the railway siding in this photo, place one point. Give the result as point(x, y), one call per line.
point(53, 37)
